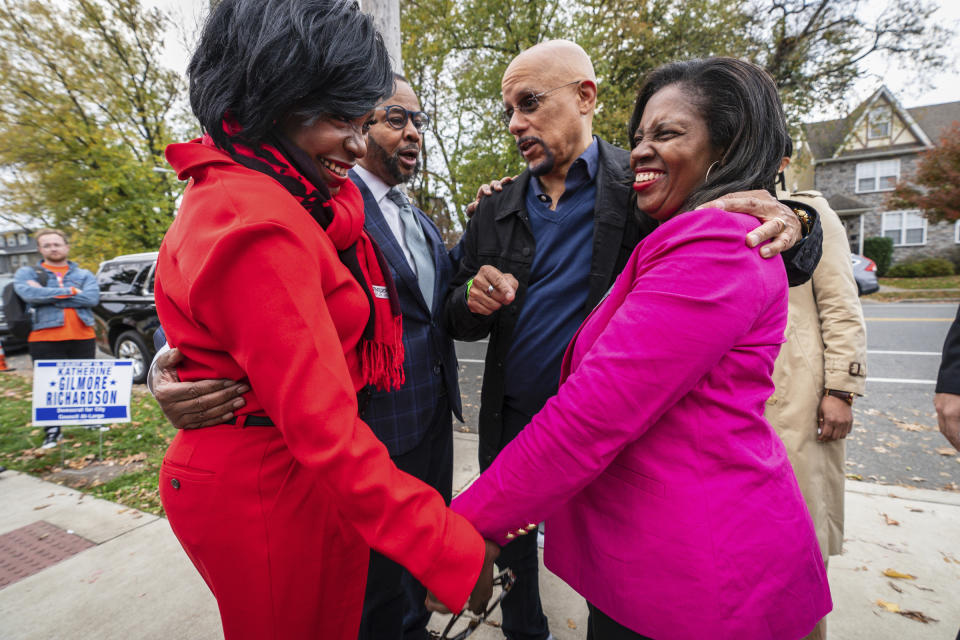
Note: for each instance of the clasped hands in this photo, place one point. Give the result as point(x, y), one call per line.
point(482, 591)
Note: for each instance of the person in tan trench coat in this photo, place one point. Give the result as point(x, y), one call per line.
point(820, 369)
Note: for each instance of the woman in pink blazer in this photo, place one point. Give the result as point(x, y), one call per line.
point(669, 501)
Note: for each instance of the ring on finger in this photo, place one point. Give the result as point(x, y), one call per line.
point(490, 288)
point(783, 225)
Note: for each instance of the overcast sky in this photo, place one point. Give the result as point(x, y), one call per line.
point(945, 86)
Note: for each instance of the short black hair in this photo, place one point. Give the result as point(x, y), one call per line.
point(263, 61)
point(741, 107)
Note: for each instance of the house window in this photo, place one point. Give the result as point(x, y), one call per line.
point(878, 125)
point(23, 239)
point(905, 228)
point(11, 240)
point(3, 242)
point(881, 175)
point(956, 231)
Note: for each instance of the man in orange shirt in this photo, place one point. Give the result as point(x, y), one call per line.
point(60, 295)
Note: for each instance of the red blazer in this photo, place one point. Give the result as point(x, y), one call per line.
point(250, 288)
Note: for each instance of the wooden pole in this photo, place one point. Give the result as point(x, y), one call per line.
point(386, 15)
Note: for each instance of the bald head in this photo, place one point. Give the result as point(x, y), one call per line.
point(554, 61)
point(549, 95)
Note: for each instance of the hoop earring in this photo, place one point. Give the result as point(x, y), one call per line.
point(706, 179)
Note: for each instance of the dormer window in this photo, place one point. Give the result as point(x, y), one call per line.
point(878, 123)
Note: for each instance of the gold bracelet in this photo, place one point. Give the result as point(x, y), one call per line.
point(805, 223)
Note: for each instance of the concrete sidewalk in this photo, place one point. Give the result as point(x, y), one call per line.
point(133, 580)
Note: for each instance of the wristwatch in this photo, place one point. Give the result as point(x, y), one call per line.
point(846, 396)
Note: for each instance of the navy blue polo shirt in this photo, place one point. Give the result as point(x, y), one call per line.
point(558, 285)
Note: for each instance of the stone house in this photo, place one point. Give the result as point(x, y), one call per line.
point(855, 161)
point(18, 248)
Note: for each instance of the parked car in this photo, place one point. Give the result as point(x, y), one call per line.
point(126, 318)
point(10, 343)
point(865, 273)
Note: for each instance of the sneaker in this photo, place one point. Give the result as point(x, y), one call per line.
point(53, 439)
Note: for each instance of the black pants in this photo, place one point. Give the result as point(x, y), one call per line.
point(62, 350)
point(600, 626)
point(523, 617)
point(393, 606)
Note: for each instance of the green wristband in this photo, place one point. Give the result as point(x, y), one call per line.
point(469, 284)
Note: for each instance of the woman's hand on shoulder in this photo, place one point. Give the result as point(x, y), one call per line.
point(779, 221)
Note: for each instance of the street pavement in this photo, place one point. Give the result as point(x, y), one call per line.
point(895, 439)
point(134, 581)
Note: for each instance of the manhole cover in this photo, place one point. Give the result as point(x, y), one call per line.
point(28, 550)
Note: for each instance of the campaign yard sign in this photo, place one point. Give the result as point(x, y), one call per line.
point(81, 391)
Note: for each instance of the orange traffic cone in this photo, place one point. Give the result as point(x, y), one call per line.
point(3, 360)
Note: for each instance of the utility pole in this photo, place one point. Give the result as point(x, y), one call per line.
point(386, 16)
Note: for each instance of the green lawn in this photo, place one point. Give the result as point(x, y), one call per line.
point(941, 282)
point(132, 451)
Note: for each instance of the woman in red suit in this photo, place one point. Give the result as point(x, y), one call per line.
point(267, 277)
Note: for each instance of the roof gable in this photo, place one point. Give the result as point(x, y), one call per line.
point(864, 131)
point(882, 123)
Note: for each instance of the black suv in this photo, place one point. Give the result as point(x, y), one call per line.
point(10, 343)
point(126, 317)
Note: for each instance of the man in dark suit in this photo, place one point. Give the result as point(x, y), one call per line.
point(415, 421)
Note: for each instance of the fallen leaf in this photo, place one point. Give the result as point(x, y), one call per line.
point(919, 616)
point(946, 451)
point(571, 624)
point(890, 521)
point(879, 450)
point(895, 587)
point(854, 476)
point(43, 506)
point(916, 510)
point(892, 607)
point(893, 573)
point(917, 479)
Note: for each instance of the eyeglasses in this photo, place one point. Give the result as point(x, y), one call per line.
point(529, 104)
point(505, 580)
point(397, 117)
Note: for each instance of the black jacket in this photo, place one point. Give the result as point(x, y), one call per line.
point(499, 234)
point(949, 379)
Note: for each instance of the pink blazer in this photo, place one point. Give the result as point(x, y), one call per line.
point(669, 501)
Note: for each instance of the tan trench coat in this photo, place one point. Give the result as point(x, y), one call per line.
point(825, 348)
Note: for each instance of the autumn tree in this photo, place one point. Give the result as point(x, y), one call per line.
point(935, 187)
point(86, 109)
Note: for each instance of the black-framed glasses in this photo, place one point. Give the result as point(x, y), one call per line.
point(529, 104)
point(505, 580)
point(396, 116)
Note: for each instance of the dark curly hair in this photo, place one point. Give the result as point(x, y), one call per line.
point(741, 107)
point(263, 61)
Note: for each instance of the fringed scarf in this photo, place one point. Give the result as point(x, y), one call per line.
point(341, 217)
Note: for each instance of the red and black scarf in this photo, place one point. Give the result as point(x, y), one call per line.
point(341, 217)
